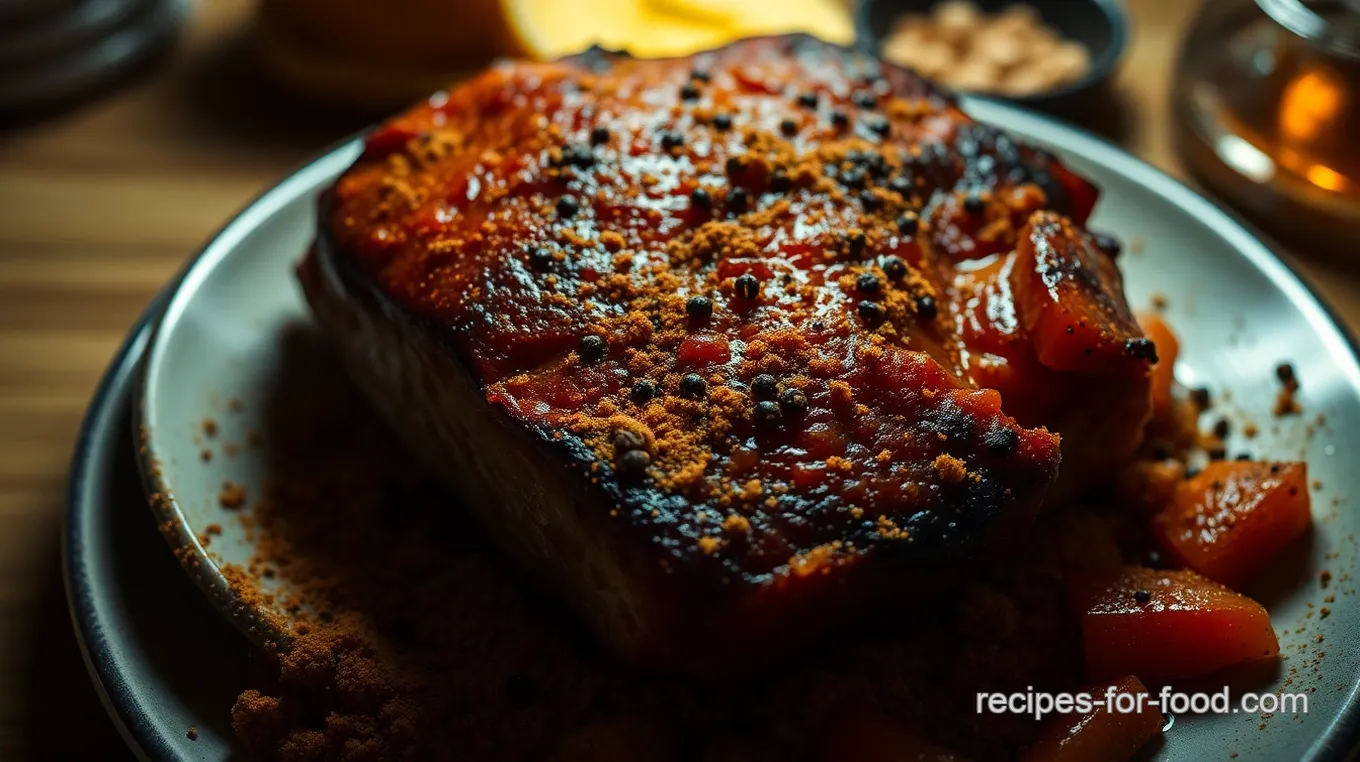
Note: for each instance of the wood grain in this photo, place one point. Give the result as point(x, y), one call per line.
point(101, 204)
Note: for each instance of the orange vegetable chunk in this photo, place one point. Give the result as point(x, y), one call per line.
point(1099, 735)
point(1231, 520)
point(1068, 297)
point(1164, 370)
point(1167, 625)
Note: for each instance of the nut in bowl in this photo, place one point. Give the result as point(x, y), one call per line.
point(1043, 54)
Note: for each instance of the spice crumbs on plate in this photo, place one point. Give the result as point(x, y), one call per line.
point(1286, 402)
point(231, 495)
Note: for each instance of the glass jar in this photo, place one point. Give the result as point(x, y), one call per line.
point(1267, 103)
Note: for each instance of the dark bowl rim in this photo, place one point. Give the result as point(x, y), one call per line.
point(1102, 66)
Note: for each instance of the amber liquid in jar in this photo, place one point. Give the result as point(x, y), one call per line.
point(1268, 100)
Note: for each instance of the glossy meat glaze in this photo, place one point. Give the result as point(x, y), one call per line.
point(774, 305)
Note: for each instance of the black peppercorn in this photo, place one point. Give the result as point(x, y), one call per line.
point(722, 122)
point(926, 307)
point(972, 203)
point(599, 135)
point(1141, 349)
point(768, 413)
point(748, 286)
point(856, 243)
point(1222, 427)
point(839, 118)
point(699, 75)
point(1285, 372)
point(592, 348)
point(699, 307)
point(868, 283)
point(1107, 243)
point(1201, 398)
point(738, 201)
point(870, 201)
point(864, 99)
point(567, 207)
point(793, 401)
point(909, 223)
point(540, 257)
point(634, 463)
point(1243, 456)
point(689, 92)
point(671, 140)
point(779, 181)
point(879, 125)
point(699, 199)
point(693, 386)
point(764, 385)
point(643, 391)
point(1142, 596)
point(788, 127)
point(734, 165)
point(870, 311)
point(895, 268)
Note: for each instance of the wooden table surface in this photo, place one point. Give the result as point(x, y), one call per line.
point(101, 204)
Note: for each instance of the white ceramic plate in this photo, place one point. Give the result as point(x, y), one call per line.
point(1238, 309)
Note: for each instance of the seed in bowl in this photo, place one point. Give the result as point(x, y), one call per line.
point(1010, 53)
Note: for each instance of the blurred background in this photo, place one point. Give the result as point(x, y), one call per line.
point(130, 130)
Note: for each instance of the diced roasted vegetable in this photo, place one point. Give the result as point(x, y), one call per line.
point(1232, 519)
point(1069, 297)
point(1166, 625)
point(1102, 734)
point(1164, 371)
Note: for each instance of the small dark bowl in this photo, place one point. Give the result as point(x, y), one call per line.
point(1100, 25)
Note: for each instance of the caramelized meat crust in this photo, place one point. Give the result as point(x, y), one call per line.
point(753, 307)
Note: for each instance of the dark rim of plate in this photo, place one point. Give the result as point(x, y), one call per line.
point(99, 427)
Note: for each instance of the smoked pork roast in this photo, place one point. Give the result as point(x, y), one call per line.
point(723, 349)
